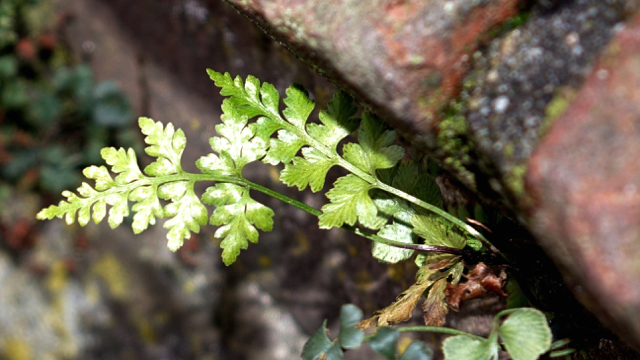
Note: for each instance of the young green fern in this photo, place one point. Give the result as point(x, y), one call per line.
point(395, 203)
point(378, 189)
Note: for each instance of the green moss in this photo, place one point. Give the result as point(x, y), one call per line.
point(416, 59)
point(556, 107)
point(510, 24)
point(515, 180)
point(453, 141)
point(508, 150)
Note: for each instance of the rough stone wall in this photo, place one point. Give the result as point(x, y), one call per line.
point(500, 92)
point(529, 103)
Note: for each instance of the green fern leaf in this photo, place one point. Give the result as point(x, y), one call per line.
point(374, 150)
point(349, 202)
point(81, 206)
point(165, 143)
point(186, 214)
point(108, 191)
point(391, 254)
point(349, 199)
point(414, 179)
point(289, 141)
point(68, 208)
point(390, 206)
point(239, 216)
point(299, 106)
point(311, 169)
point(409, 177)
point(462, 347)
point(237, 144)
point(250, 98)
point(337, 121)
point(101, 176)
point(123, 163)
point(284, 148)
point(185, 211)
point(119, 208)
point(146, 209)
point(436, 231)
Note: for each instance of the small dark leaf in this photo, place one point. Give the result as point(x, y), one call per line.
point(462, 347)
point(334, 353)
point(516, 298)
point(14, 95)
point(350, 337)
point(385, 341)
point(21, 161)
point(63, 79)
point(111, 106)
point(525, 334)
point(317, 345)
point(56, 179)
point(8, 66)
point(417, 350)
point(45, 110)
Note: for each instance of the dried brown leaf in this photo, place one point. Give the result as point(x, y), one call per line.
point(402, 309)
point(481, 279)
point(435, 307)
point(366, 323)
point(441, 264)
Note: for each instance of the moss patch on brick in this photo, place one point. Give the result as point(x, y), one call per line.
point(453, 142)
point(514, 180)
point(556, 107)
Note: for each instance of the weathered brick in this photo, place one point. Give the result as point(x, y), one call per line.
point(584, 179)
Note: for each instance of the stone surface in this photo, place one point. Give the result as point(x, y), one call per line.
point(584, 179)
point(478, 84)
point(475, 82)
point(522, 80)
point(406, 59)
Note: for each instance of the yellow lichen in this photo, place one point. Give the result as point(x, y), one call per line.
point(57, 279)
point(146, 331)
point(109, 269)
point(16, 349)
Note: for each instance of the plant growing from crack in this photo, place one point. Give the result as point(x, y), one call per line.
point(391, 201)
